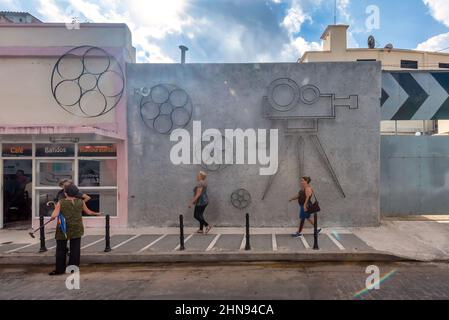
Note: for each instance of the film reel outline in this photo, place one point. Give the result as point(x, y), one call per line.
point(171, 90)
point(77, 81)
point(239, 197)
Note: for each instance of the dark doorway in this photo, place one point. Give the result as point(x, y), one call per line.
point(17, 193)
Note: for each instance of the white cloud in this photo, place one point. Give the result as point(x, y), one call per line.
point(148, 20)
point(295, 18)
point(297, 45)
point(439, 9)
point(436, 43)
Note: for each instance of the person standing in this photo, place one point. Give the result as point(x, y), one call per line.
point(201, 201)
point(304, 198)
point(71, 208)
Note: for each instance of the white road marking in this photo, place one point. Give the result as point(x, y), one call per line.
point(21, 248)
point(185, 241)
point(125, 242)
point(243, 245)
point(153, 243)
point(336, 242)
point(92, 244)
point(213, 243)
point(304, 242)
point(275, 244)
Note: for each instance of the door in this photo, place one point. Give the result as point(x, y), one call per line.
point(17, 193)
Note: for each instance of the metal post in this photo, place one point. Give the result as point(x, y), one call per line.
point(181, 237)
point(315, 234)
point(248, 243)
point(108, 234)
point(42, 234)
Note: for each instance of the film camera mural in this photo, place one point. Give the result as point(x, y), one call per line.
point(87, 82)
point(301, 108)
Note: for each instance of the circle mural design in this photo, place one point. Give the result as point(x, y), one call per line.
point(283, 94)
point(87, 82)
point(166, 108)
point(241, 199)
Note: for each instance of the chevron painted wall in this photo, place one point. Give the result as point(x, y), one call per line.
point(415, 95)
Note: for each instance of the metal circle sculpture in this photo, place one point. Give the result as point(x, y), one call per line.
point(87, 82)
point(284, 94)
point(166, 108)
point(241, 199)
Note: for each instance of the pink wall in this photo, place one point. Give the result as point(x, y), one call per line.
point(117, 130)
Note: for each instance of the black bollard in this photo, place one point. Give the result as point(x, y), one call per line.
point(108, 234)
point(182, 246)
point(42, 235)
point(315, 233)
point(248, 243)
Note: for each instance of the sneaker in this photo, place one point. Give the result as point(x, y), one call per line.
point(297, 235)
point(319, 231)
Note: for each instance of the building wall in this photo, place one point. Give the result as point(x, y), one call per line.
point(29, 112)
point(414, 175)
point(27, 96)
point(230, 96)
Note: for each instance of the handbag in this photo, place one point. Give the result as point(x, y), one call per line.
point(314, 207)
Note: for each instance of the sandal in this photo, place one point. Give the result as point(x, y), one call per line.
point(200, 232)
point(209, 228)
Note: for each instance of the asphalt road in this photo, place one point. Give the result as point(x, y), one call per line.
point(253, 281)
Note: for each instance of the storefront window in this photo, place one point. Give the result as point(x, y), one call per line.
point(51, 172)
point(104, 201)
point(97, 173)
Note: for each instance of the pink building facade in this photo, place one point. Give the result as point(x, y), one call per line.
point(63, 116)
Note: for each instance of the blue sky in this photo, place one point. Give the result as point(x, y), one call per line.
point(251, 30)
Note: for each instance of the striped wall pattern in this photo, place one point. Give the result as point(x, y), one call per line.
point(415, 96)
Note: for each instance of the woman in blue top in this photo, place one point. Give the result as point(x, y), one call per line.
point(201, 201)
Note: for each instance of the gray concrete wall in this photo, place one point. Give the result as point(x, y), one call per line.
point(229, 96)
point(414, 175)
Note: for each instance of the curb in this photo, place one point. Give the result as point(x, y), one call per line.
point(181, 257)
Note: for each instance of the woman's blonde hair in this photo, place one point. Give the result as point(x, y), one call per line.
point(203, 175)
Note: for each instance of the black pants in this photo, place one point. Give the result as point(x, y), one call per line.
point(61, 254)
point(199, 215)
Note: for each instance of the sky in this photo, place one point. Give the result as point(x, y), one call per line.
point(233, 31)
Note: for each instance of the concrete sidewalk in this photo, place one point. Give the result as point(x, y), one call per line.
point(426, 240)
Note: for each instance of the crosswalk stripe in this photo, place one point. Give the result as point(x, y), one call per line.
point(185, 241)
point(336, 242)
point(153, 243)
point(21, 248)
point(213, 243)
point(243, 245)
point(92, 244)
point(274, 241)
point(125, 242)
point(304, 242)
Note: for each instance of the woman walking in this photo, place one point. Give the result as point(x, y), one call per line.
point(70, 228)
point(201, 201)
point(304, 198)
